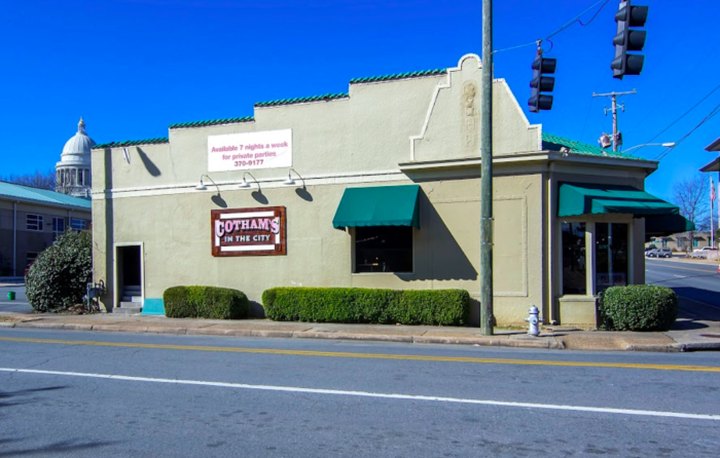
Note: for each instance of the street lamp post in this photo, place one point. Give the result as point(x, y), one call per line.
point(643, 145)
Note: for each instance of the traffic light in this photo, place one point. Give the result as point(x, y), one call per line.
point(542, 66)
point(628, 39)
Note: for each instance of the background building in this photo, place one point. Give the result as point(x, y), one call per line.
point(31, 219)
point(73, 170)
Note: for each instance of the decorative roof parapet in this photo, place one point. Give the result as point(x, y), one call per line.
point(316, 98)
point(399, 76)
point(279, 102)
point(147, 141)
point(211, 122)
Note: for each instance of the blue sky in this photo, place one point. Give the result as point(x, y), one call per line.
point(133, 67)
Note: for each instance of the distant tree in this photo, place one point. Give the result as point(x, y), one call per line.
point(38, 179)
point(692, 197)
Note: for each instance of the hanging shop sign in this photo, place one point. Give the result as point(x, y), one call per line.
point(248, 232)
point(250, 150)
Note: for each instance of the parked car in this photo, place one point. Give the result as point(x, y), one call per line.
point(659, 253)
point(702, 253)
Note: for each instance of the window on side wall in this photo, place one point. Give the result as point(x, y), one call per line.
point(78, 224)
point(34, 222)
point(383, 249)
point(58, 226)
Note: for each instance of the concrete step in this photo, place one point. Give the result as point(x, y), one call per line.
point(127, 298)
point(129, 308)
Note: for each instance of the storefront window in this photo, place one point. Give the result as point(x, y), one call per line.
point(611, 255)
point(383, 249)
point(573, 246)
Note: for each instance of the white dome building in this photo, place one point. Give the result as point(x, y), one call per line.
point(73, 170)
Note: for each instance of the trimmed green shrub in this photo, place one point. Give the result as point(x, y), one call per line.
point(429, 307)
point(638, 308)
point(361, 305)
point(58, 278)
point(205, 302)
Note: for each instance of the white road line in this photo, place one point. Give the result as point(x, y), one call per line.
point(367, 394)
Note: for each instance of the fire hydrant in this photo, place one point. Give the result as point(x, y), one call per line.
point(533, 320)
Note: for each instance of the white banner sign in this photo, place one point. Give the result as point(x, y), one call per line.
point(251, 150)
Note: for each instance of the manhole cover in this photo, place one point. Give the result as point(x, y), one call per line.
point(715, 336)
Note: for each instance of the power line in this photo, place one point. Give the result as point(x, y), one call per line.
point(562, 28)
point(709, 116)
point(704, 98)
point(577, 18)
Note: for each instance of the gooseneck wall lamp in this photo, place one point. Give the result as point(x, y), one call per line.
point(245, 183)
point(202, 187)
point(290, 181)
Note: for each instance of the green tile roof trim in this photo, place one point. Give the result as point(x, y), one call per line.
point(399, 76)
point(16, 192)
point(211, 122)
point(147, 141)
point(316, 98)
point(552, 142)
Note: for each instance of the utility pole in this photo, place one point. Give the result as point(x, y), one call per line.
point(613, 109)
point(486, 194)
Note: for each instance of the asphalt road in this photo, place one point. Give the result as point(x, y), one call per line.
point(89, 394)
point(19, 304)
point(698, 283)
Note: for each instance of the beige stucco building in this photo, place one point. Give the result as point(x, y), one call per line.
point(380, 188)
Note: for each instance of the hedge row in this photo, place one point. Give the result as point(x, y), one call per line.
point(638, 308)
point(205, 302)
point(359, 305)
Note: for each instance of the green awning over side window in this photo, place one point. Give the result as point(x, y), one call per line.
point(378, 206)
point(588, 199)
point(578, 200)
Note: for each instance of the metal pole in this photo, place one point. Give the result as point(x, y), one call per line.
point(712, 215)
point(613, 109)
point(615, 123)
point(486, 194)
point(14, 266)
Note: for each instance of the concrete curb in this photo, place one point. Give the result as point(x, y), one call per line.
point(421, 335)
point(697, 346)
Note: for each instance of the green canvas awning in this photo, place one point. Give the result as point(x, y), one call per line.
point(378, 206)
point(588, 199)
point(657, 225)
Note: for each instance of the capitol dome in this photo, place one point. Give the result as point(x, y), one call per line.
point(73, 170)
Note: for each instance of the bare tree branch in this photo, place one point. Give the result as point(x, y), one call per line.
point(38, 179)
point(692, 197)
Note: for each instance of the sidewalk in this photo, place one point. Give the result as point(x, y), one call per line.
point(698, 336)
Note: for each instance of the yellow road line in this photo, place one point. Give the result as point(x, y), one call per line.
point(385, 356)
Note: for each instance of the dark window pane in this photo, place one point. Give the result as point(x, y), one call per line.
point(383, 249)
point(611, 259)
point(573, 246)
